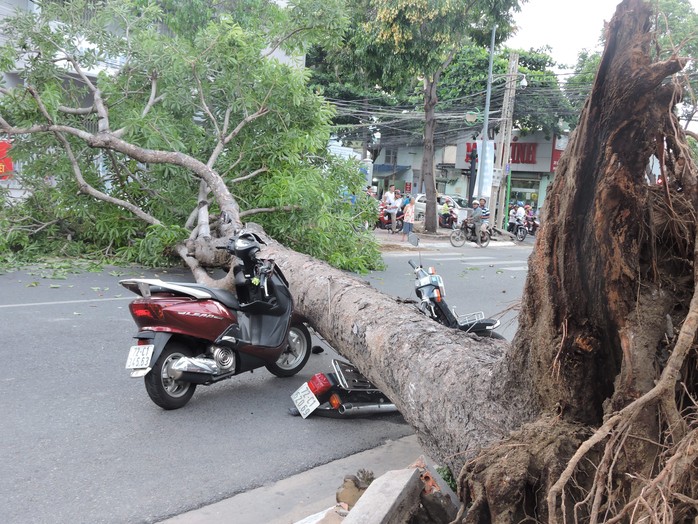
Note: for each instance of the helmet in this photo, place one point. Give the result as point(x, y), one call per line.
point(527, 206)
point(476, 202)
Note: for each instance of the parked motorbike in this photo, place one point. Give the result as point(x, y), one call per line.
point(532, 224)
point(343, 393)
point(385, 219)
point(190, 334)
point(466, 233)
point(449, 221)
point(431, 291)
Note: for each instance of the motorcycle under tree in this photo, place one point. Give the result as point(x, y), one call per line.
point(343, 393)
point(430, 289)
point(190, 334)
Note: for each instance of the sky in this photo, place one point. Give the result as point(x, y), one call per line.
point(568, 26)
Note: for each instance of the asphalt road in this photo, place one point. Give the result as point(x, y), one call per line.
point(82, 442)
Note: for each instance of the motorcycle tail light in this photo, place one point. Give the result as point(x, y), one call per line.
point(335, 401)
point(319, 384)
point(146, 310)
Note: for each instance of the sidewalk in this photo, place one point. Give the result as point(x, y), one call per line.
point(294, 498)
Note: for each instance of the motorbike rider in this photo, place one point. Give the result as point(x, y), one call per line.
point(476, 219)
point(485, 212)
point(391, 206)
point(445, 211)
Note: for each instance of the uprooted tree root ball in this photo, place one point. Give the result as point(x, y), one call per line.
point(614, 279)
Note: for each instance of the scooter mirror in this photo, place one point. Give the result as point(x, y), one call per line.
point(413, 239)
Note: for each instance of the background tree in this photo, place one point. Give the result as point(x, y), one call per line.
point(541, 106)
point(424, 37)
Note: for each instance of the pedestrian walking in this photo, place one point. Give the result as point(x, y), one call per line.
point(408, 220)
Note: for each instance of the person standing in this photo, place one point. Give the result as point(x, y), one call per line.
point(476, 219)
point(391, 206)
point(512, 219)
point(408, 220)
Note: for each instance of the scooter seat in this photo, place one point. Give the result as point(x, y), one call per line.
point(225, 297)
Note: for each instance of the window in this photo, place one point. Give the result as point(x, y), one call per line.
point(391, 156)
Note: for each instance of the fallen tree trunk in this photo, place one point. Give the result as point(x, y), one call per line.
point(447, 384)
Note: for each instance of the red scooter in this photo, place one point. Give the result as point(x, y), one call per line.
point(448, 221)
point(385, 219)
point(190, 334)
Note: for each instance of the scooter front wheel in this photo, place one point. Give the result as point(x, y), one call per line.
point(521, 234)
point(162, 389)
point(457, 238)
point(296, 354)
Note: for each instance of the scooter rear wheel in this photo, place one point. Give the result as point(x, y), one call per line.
point(162, 389)
point(296, 354)
point(484, 238)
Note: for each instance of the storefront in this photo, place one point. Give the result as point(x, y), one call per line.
point(532, 162)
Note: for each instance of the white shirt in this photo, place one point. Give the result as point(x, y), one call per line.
point(389, 198)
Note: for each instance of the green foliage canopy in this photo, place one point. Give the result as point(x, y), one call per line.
point(196, 82)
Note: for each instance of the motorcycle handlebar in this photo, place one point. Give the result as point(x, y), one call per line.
point(412, 264)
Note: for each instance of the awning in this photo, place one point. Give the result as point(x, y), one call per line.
point(382, 171)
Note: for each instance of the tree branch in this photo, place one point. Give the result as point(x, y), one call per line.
point(283, 39)
point(89, 190)
point(250, 118)
point(77, 110)
point(251, 175)
point(154, 99)
point(108, 141)
point(205, 105)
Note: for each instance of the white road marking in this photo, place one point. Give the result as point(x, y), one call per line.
point(85, 301)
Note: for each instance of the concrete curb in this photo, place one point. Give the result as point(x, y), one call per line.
point(294, 498)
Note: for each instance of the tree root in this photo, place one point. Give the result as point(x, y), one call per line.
point(661, 396)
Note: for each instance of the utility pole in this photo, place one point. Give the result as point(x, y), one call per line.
point(484, 160)
point(504, 141)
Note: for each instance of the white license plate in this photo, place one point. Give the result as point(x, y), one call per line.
point(304, 399)
point(139, 356)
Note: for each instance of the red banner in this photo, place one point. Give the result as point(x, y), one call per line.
point(6, 167)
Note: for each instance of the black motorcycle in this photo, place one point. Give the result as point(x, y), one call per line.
point(466, 233)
